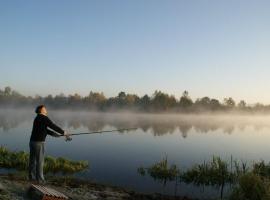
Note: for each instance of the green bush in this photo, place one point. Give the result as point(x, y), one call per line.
point(251, 187)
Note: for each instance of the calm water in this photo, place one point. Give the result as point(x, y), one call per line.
point(115, 157)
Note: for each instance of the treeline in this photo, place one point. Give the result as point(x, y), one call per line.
point(158, 102)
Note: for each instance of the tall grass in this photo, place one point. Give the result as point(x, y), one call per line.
point(218, 173)
point(161, 171)
point(19, 160)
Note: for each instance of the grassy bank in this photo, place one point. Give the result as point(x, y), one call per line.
point(18, 160)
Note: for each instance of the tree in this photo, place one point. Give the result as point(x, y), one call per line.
point(185, 100)
point(162, 101)
point(229, 102)
point(49, 100)
point(132, 100)
point(75, 100)
point(185, 93)
point(7, 91)
point(60, 101)
point(258, 107)
point(122, 95)
point(144, 102)
point(159, 101)
point(121, 99)
point(203, 102)
point(214, 104)
point(16, 94)
point(242, 104)
point(96, 98)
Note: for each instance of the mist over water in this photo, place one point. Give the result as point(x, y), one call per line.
point(115, 157)
point(157, 124)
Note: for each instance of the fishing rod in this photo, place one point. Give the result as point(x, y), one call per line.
point(69, 138)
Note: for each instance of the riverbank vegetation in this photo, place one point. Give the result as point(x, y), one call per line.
point(243, 182)
point(157, 102)
point(18, 160)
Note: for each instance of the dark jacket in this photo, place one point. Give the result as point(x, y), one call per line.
point(40, 128)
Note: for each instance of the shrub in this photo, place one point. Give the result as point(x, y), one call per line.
point(251, 187)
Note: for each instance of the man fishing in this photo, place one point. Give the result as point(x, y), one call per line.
point(37, 140)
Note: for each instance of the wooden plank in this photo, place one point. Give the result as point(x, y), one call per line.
point(39, 192)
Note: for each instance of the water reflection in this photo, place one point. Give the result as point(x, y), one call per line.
point(158, 125)
point(114, 154)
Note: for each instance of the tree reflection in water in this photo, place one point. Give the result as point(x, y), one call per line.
point(157, 124)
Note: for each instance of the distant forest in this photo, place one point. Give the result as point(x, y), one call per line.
point(158, 102)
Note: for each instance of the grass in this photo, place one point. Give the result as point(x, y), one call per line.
point(161, 171)
point(19, 160)
point(245, 180)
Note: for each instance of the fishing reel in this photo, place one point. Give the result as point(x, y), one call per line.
point(68, 138)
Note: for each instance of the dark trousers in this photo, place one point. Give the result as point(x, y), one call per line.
point(36, 161)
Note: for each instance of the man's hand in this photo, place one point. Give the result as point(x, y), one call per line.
point(67, 135)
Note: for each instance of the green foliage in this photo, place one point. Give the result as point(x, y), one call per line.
point(185, 100)
point(213, 173)
point(197, 175)
point(262, 169)
point(206, 103)
point(240, 168)
point(162, 101)
point(19, 161)
point(161, 171)
point(251, 187)
point(250, 182)
point(158, 102)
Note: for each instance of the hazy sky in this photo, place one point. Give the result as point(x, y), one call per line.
point(210, 48)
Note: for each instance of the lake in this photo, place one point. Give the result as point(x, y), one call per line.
point(115, 157)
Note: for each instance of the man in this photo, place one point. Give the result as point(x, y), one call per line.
point(37, 140)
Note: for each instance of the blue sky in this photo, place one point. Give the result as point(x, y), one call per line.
point(210, 48)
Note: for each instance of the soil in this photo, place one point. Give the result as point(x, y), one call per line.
point(14, 187)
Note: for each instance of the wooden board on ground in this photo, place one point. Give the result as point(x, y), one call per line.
point(39, 192)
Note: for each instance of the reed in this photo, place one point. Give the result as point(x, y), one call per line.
point(161, 171)
point(216, 173)
point(213, 173)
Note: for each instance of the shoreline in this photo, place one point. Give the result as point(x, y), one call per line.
point(15, 187)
